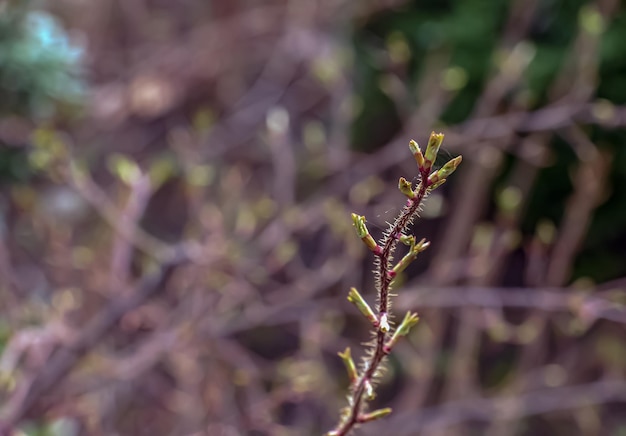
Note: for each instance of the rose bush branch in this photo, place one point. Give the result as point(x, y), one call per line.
point(362, 382)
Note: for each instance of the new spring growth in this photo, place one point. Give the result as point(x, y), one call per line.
point(410, 319)
point(376, 414)
point(434, 142)
point(407, 240)
point(414, 250)
point(361, 379)
point(417, 153)
point(355, 298)
point(442, 173)
point(349, 363)
point(406, 188)
point(437, 184)
point(361, 230)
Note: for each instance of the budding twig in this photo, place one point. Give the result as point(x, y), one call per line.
point(363, 381)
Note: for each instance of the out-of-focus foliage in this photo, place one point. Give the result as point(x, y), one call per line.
point(237, 136)
point(39, 65)
point(40, 73)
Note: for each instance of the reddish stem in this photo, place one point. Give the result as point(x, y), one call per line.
point(384, 268)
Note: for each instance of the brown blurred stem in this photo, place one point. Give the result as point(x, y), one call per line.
point(66, 357)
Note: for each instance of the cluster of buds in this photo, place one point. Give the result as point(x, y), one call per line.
point(388, 337)
point(425, 163)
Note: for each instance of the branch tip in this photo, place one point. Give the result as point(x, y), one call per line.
point(362, 389)
point(355, 298)
point(358, 221)
point(349, 363)
point(376, 414)
point(417, 153)
point(434, 142)
point(410, 319)
point(406, 188)
point(444, 171)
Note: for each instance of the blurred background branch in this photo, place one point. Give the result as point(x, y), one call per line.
point(176, 182)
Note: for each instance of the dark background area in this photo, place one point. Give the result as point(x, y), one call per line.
point(176, 183)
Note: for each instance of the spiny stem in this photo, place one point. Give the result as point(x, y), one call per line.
point(362, 384)
point(384, 266)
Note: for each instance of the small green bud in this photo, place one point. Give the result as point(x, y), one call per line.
point(434, 142)
point(361, 230)
point(355, 298)
point(410, 319)
point(407, 240)
point(358, 221)
point(445, 170)
point(349, 363)
point(417, 153)
point(437, 184)
point(406, 188)
point(422, 245)
point(410, 256)
point(376, 414)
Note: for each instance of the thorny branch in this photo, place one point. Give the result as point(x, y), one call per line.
point(362, 388)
